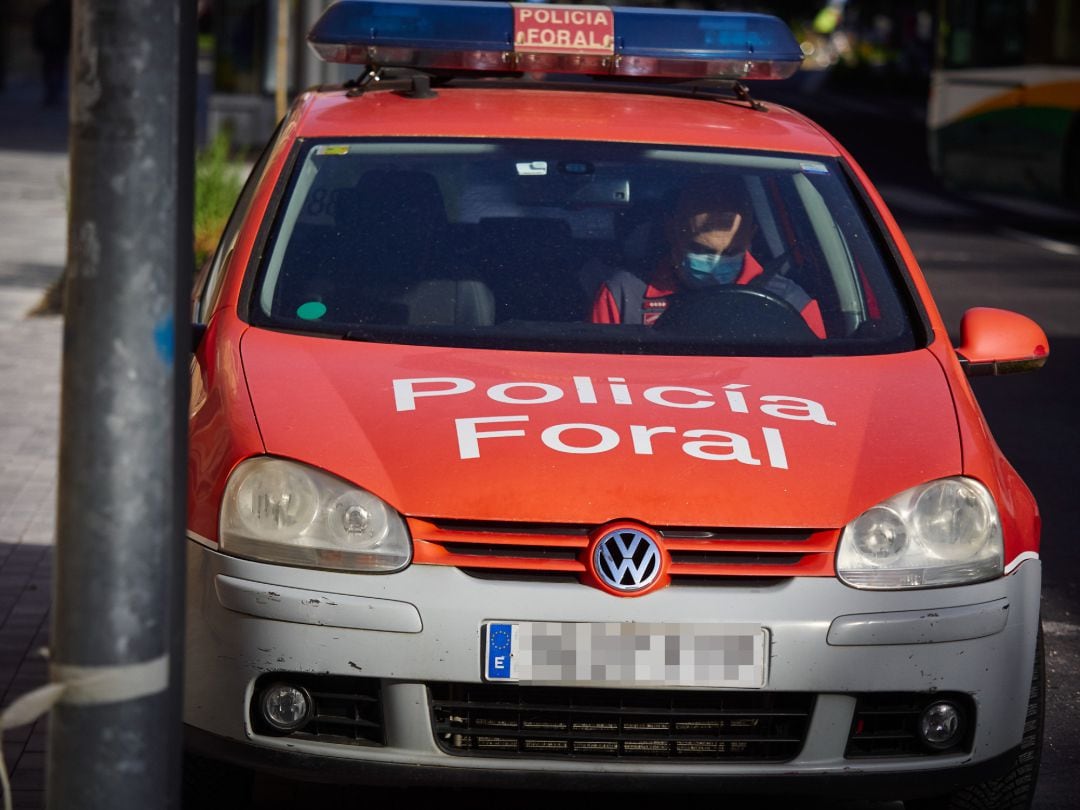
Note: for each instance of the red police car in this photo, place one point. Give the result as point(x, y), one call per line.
point(562, 416)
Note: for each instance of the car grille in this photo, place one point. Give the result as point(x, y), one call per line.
point(549, 550)
point(509, 720)
point(886, 725)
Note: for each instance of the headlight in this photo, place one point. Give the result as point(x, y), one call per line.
point(946, 532)
point(284, 512)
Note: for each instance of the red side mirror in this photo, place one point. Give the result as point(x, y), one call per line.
point(996, 341)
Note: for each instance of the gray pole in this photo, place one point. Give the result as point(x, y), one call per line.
point(113, 737)
point(311, 67)
point(185, 264)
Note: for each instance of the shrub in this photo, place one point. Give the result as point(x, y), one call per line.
point(218, 180)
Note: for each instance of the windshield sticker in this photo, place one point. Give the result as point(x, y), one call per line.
point(534, 168)
point(311, 310)
point(331, 150)
point(764, 446)
point(813, 167)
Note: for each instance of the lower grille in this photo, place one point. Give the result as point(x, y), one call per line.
point(886, 724)
point(507, 720)
point(346, 710)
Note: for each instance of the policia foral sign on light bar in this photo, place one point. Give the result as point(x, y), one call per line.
point(595, 40)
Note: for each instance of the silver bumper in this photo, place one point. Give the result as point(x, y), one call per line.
point(424, 624)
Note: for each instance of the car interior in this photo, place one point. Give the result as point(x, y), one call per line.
point(436, 246)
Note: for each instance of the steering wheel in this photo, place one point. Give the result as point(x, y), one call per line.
point(754, 291)
point(740, 313)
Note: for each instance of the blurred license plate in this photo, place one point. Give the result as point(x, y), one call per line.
point(626, 654)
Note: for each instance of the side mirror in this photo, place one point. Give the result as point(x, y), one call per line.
point(996, 341)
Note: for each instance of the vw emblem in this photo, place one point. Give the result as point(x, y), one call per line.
point(627, 560)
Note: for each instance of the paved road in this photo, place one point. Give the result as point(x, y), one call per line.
point(33, 217)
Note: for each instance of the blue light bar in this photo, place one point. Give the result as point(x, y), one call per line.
point(498, 36)
point(426, 24)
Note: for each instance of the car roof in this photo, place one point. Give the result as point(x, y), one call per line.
point(502, 110)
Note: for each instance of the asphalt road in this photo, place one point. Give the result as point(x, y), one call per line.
point(975, 252)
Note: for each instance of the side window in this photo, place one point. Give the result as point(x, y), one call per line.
point(210, 280)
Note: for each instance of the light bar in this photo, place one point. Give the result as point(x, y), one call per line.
point(466, 35)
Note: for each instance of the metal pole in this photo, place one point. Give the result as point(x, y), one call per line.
point(113, 737)
point(185, 265)
point(312, 70)
point(281, 61)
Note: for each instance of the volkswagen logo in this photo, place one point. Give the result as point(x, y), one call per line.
point(626, 559)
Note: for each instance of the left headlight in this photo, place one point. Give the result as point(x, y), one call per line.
point(946, 532)
point(284, 512)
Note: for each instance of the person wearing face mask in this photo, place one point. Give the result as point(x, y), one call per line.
point(709, 235)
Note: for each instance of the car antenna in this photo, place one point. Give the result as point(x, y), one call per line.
point(742, 93)
point(419, 83)
point(737, 88)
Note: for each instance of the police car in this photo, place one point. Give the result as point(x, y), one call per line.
point(563, 416)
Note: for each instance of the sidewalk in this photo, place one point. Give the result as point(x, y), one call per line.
point(33, 233)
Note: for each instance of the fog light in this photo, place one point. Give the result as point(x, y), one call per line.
point(941, 725)
point(286, 708)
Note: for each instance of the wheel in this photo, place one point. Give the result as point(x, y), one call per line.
point(1016, 789)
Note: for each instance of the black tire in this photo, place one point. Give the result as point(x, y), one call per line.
point(1016, 789)
point(209, 784)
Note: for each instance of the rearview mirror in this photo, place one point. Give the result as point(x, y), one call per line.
point(996, 341)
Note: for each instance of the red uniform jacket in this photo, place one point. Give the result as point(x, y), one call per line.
point(626, 298)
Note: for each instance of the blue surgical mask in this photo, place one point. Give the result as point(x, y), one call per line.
point(712, 268)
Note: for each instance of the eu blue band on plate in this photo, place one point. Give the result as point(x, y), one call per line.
point(499, 648)
point(475, 35)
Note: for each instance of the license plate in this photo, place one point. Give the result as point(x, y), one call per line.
point(626, 654)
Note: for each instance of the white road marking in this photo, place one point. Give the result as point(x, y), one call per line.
point(926, 256)
point(1035, 209)
point(1053, 245)
point(1061, 629)
point(920, 202)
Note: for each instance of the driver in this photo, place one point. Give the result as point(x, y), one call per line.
point(709, 235)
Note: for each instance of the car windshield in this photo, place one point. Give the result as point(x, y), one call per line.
point(579, 246)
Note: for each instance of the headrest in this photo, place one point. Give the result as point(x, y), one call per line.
point(549, 231)
point(392, 221)
point(395, 199)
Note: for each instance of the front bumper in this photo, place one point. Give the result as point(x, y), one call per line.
point(423, 625)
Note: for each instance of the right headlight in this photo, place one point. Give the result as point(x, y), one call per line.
point(945, 532)
point(281, 511)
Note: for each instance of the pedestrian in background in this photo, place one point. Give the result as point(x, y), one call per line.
point(52, 40)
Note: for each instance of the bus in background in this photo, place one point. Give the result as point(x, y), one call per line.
point(1004, 112)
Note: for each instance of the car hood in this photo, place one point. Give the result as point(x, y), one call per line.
point(491, 435)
